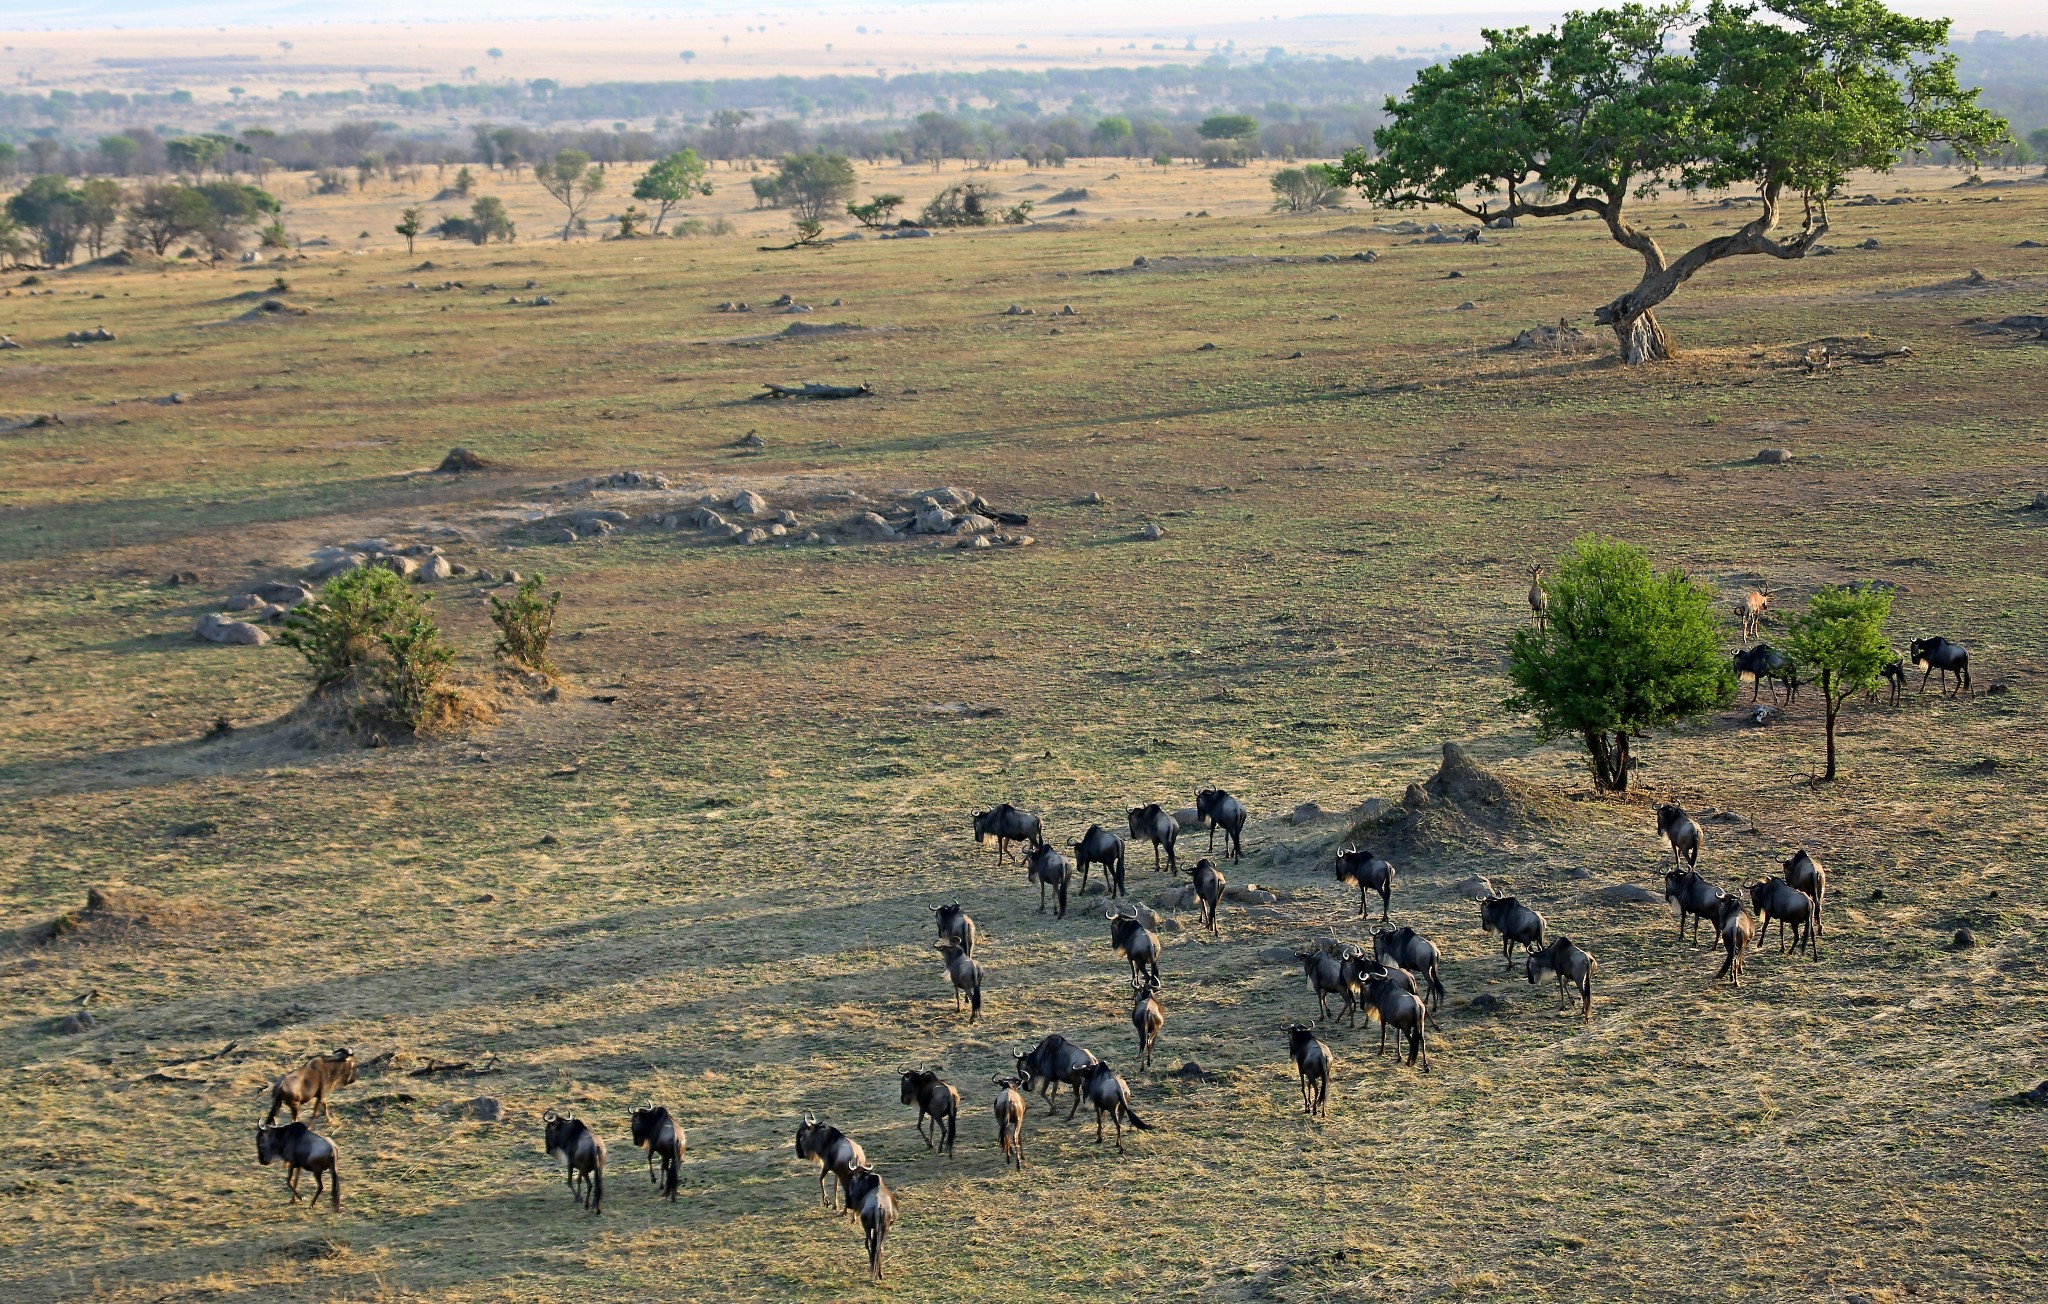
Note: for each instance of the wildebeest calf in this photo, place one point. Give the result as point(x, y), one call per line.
point(312, 1081)
point(1312, 1064)
point(569, 1140)
point(303, 1151)
point(1570, 965)
point(1049, 869)
point(1148, 1016)
point(1010, 1107)
point(657, 1130)
point(868, 1196)
point(1737, 931)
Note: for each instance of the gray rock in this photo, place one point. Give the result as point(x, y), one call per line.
point(973, 523)
point(948, 496)
point(486, 1109)
point(1170, 925)
point(588, 520)
point(73, 1024)
point(1773, 456)
point(242, 602)
point(1622, 894)
point(514, 577)
point(1370, 808)
point(748, 503)
point(328, 568)
point(786, 517)
point(565, 536)
point(980, 541)
point(778, 530)
point(1282, 955)
point(372, 546)
point(1188, 817)
point(1472, 887)
point(289, 592)
point(871, 525)
point(404, 567)
point(704, 518)
point(1307, 813)
point(216, 628)
point(934, 520)
point(753, 536)
point(1152, 530)
point(435, 568)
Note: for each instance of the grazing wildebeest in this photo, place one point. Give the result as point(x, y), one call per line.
point(1775, 899)
point(835, 1153)
point(312, 1081)
point(1129, 938)
point(1010, 1106)
point(1412, 951)
point(1539, 598)
point(955, 926)
point(1394, 1005)
point(1312, 1064)
point(1111, 1097)
point(1325, 974)
point(1007, 824)
point(868, 1196)
point(1679, 834)
point(1516, 923)
point(1894, 676)
point(1220, 810)
point(1805, 873)
point(1695, 898)
point(937, 1100)
point(1209, 885)
point(1366, 870)
point(1737, 931)
point(1148, 1016)
point(1049, 869)
point(579, 1147)
point(1098, 846)
point(1156, 825)
point(1752, 607)
point(656, 1129)
point(1764, 662)
point(964, 971)
point(303, 1151)
point(1054, 1062)
point(1570, 965)
point(1939, 654)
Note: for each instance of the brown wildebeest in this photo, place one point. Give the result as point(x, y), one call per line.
point(311, 1081)
point(1752, 607)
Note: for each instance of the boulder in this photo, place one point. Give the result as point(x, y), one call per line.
point(705, 519)
point(947, 496)
point(485, 1109)
point(753, 536)
point(460, 459)
point(1472, 887)
point(934, 520)
point(589, 519)
point(216, 628)
point(242, 602)
point(1307, 813)
point(1152, 530)
point(1624, 894)
point(327, 569)
point(1773, 456)
point(748, 503)
point(404, 567)
point(289, 593)
point(73, 1024)
point(1281, 955)
point(435, 568)
point(1188, 817)
point(973, 523)
point(871, 525)
point(371, 546)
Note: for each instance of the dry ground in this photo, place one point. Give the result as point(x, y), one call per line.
point(713, 891)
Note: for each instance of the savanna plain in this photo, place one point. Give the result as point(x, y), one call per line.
point(701, 874)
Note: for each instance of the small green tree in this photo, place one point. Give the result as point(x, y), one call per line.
point(1304, 189)
point(670, 181)
point(465, 182)
point(573, 180)
point(410, 223)
point(163, 213)
point(1839, 639)
point(1625, 650)
point(526, 623)
point(488, 221)
point(814, 184)
point(411, 671)
point(879, 211)
point(370, 627)
point(55, 211)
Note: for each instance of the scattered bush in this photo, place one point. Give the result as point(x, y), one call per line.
point(1304, 189)
point(879, 211)
point(416, 660)
point(371, 628)
point(526, 623)
point(967, 204)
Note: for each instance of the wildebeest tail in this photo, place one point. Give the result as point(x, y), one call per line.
point(597, 1191)
point(672, 1178)
point(1136, 1122)
point(334, 1176)
point(974, 1002)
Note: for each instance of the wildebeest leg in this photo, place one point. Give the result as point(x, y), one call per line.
point(1077, 1105)
point(1118, 1119)
point(1386, 902)
point(1383, 1034)
point(291, 1179)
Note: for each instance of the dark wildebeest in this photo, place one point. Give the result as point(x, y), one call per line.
point(1805, 873)
point(1775, 899)
point(1394, 1005)
point(835, 1153)
point(1156, 825)
point(1894, 676)
point(1412, 951)
point(1516, 923)
point(303, 1151)
point(1366, 870)
point(964, 971)
point(1007, 824)
point(312, 1081)
point(936, 1100)
point(1539, 598)
point(581, 1150)
point(1053, 1063)
point(1209, 885)
point(1148, 1016)
point(1680, 834)
point(1325, 974)
point(1312, 1064)
point(868, 1196)
point(1010, 1106)
point(1098, 846)
point(1752, 607)
point(1939, 654)
point(1129, 938)
point(656, 1129)
point(1763, 662)
point(1220, 810)
point(1111, 1097)
point(955, 926)
point(1695, 898)
point(1737, 931)
point(1570, 965)
point(1359, 969)
point(1049, 869)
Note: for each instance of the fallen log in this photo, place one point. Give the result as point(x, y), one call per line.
point(1822, 357)
point(436, 1067)
point(200, 1059)
point(811, 389)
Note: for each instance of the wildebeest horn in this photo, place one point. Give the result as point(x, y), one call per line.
point(810, 1118)
point(342, 1052)
point(550, 1116)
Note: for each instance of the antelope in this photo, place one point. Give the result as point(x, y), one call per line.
point(1209, 885)
point(1220, 810)
point(1312, 1064)
point(303, 1151)
point(836, 1155)
point(1010, 1106)
point(1570, 965)
point(570, 1140)
point(955, 926)
point(1148, 1016)
point(1098, 846)
point(965, 974)
point(1367, 871)
point(312, 1081)
point(1752, 607)
point(656, 1129)
point(935, 1100)
point(1516, 923)
point(1805, 873)
point(868, 1196)
point(1539, 598)
point(1111, 1097)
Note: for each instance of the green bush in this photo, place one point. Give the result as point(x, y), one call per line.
point(526, 622)
point(411, 671)
point(370, 627)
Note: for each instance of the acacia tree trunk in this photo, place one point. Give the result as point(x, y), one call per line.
point(1834, 708)
point(1610, 761)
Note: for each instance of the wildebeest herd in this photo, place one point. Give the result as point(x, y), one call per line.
point(1396, 978)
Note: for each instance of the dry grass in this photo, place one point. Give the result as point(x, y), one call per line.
point(712, 891)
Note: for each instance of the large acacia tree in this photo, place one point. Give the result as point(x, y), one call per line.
point(1784, 99)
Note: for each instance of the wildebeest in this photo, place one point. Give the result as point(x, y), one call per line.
point(656, 1129)
point(1805, 873)
point(569, 1140)
point(1209, 885)
point(1411, 951)
point(1325, 974)
point(937, 1100)
point(1111, 1097)
point(835, 1153)
point(1775, 899)
point(1049, 869)
point(303, 1151)
point(312, 1081)
point(1752, 607)
point(1223, 811)
point(1516, 923)
point(1366, 870)
point(1010, 1107)
point(1129, 938)
point(1397, 1007)
point(1312, 1064)
point(1939, 654)
point(964, 971)
point(868, 1196)
point(1894, 676)
point(1539, 598)
point(1053, 1063)
point(1764, 662)
point(1736, 930)
point(1156, 825)
point(1570, 965)
point(1680, 834)
point(1695, 898)
point(955, 926)
point(1098, 846)
point(1007, 824)
point(1148, 1016)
